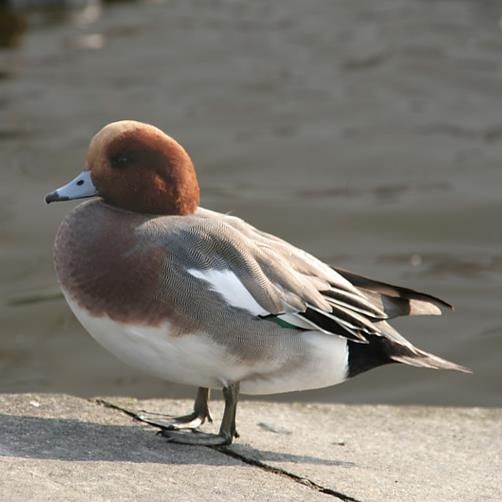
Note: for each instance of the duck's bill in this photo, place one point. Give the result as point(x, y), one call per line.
point(80, 187)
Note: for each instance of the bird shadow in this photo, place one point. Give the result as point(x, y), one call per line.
point(75, 440)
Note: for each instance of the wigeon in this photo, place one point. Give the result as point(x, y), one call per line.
point(205, 299)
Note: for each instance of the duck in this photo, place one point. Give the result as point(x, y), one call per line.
point(202, 298)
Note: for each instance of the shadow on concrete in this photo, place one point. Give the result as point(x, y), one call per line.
point(265, 456)
point(75, 440)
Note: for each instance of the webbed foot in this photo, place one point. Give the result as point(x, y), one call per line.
point(227, 429)
point(196, 438)
point(191, 421)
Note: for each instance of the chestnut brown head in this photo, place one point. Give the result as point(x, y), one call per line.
point(137, 167)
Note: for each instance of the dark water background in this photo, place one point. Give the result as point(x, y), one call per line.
point(368, 133)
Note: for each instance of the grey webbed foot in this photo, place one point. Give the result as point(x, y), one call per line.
point(191, 421)
point(227, 429)
point(196, 438)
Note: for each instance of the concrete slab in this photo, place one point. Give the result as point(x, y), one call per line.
point(57, 447)
point(65, 448)
point(376, 453)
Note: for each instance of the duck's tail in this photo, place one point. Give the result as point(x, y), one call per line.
point(415, 357)
point(393, 348)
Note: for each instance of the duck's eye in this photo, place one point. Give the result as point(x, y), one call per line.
point(119, 161)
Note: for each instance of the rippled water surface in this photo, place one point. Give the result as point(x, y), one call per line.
point(369, 133)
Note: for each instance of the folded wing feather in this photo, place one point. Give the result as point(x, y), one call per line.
point(292, 285)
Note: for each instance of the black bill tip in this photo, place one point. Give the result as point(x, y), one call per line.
point(54, 197)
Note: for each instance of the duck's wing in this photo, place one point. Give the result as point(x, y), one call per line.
point(395, 300)
point(274, 280)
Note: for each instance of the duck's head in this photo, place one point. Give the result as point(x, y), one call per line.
point(137, 167)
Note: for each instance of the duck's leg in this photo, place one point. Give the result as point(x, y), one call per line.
point(227, 428)
point(191, 421)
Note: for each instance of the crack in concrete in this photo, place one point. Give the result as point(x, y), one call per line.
point(283, 472)
point(250, 461)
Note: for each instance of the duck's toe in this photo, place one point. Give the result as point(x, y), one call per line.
point(191, 421)
point(196, 438)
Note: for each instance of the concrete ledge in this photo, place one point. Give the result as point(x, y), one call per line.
point(57, 447)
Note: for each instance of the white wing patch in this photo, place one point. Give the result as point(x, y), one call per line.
point(228, 285)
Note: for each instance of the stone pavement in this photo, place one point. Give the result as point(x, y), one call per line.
point(58, 447)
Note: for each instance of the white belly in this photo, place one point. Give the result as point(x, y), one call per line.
point(188, 359)
point(196, 359)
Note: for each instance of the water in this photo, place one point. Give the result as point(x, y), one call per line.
point(369, 133)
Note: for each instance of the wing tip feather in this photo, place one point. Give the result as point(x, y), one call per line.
point(426, 360)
